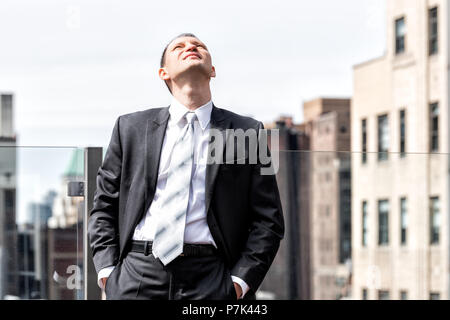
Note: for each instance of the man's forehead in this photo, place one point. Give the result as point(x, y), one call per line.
point(184, 39)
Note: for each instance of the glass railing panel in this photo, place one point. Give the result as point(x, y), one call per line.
point(362, 226)
point(357, 226)
point(41, 243)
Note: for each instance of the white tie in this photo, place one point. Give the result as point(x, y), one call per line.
point(169, 235)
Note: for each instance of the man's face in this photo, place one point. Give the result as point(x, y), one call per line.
point(186, 54)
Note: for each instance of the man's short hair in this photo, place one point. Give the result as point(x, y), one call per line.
point(162, 63)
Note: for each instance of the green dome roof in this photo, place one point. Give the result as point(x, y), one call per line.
point(76, 164)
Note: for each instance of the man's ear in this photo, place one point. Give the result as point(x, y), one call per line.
point(162, 72)
point(213, 72)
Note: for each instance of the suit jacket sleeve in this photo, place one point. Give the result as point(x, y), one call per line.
point(103, 221)
point(266, 227)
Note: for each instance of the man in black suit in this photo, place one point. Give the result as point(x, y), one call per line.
point(166, 222)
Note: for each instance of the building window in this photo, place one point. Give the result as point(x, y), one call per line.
point(403, 221)
point(383, 137)
point(402, 133)
point(383, 295)
point(364, 140)
point(434, 127)
point(383, 222)
point(400, 34)
point(364, 294)
point(435, 296)
point(433, 30)
point(364, 224)
point(435, 218)
point(403, 295)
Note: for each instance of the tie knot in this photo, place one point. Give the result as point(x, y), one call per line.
point(190, 117)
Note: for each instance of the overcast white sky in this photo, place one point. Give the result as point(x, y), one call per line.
point(74, 66)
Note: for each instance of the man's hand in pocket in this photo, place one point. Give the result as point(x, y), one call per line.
point(238, 289)
point(104, 282)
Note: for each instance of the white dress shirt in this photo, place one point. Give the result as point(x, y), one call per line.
point(196, 230)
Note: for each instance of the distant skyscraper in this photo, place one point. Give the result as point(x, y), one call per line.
point(8, 230)
point(6, 116)
point(327, 123)
point(288, 275)
point(314, 182)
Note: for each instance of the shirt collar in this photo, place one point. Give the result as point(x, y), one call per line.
point(177, 111)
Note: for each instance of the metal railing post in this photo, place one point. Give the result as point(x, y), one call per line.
point(93, 157)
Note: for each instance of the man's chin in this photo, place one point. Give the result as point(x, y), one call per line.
point(194, 62)
point(197, 68)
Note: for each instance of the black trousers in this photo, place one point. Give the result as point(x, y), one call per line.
point(143, 277)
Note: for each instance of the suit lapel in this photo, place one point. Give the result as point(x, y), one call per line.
point(155, 131)
point(219, 122)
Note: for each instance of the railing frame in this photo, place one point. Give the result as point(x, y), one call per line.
point(93, 157)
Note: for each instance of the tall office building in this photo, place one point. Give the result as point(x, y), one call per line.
point(64, 240)
point(289, 273)
point(327, 123)
point(314, 181)
point(8, 230)
point(400, 181)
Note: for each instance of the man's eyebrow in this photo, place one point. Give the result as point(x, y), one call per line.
point(195, 41)
point(199, 42)
point(175, 44)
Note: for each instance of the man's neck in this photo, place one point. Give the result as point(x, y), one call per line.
point(191, 96)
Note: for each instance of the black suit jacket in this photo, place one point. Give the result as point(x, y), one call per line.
point(243, 207)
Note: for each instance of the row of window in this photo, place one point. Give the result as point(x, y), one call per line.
point(385, 295)
point(383, 133)
point(383, 222)
point(400, 33)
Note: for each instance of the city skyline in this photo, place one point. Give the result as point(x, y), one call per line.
point(363, 154)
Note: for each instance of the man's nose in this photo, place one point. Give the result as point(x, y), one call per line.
point(191, 47)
